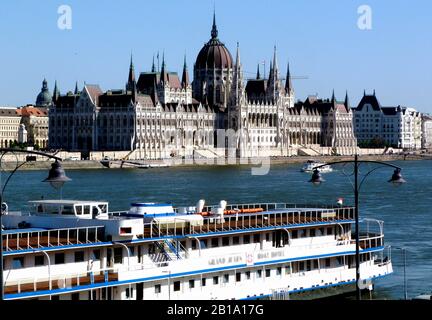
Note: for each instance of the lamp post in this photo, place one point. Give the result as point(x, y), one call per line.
point(396, 179)
point(129, 254)
point(404, 270)
point(56, 177)
point(169, 283)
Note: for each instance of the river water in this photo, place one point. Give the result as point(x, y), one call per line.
point(405, 210)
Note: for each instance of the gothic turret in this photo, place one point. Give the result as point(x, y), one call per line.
point(258, 76)
point(131, 83)
point(289, 90)
point(164, 74)
point(56, 93)
point(185, 76)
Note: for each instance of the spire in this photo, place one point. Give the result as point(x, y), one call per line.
point(237, 81)
point(153, 69)
point(56, 92)
point(185, 76)
point(364, 92)
point(374, 93)
point(214, 31)
point(76, 87)
point(131, 77)
point(288, 84)
point(258, 73)
point(164, 75)
point(346, 100)
point(275, 65)
point(333, 99)
point(238, 56)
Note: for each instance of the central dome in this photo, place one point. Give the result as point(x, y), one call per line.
point(214, 54)
point(44, 97)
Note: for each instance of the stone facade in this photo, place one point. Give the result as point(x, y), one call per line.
point(426, 131)
point(218, 114)
point(35, 121)
point(398, 127)
point(9, 127)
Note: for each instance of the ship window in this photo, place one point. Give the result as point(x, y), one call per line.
point(246, 239)
point(139, 254)
point(18, 263)
point(267, 273)
point(267, 236)
point(327, 262)
point(278, 271)
point(79, 210)
point(259, 273)
point(236, 240)
point(312, 232)
point(191, 284)
point(118, 255)
point(129, 295)
point(176, 285)
point(75, 296)
point(103, 208)
point(294, 234)
point(203, 282)
point(96, 254)
point(256, 238)
point(226, 278)
point(248, 275)
point(79, 256)
point(59, 258)
point(86, 209)
point(301, 266)
point(194, 245)
point(203, 243)
point(216, 280)
point(39, 260)
point(215, 242)
point(308, 265)
point(238, 276)
point(158, 288)
point(225, 241)
point(68, 210)
point(329, 230)
point(315, 264)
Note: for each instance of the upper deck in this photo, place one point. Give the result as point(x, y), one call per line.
point(235, 218)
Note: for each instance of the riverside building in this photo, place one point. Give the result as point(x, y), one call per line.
point(399, 127)
point(161, 114)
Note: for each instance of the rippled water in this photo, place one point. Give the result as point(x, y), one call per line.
point(406, 210)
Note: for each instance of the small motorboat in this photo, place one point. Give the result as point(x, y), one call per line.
point(310, 166)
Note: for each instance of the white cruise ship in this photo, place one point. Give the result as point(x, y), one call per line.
point(78, 250)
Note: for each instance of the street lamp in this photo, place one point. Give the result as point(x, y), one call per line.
point(129, 254)
point(405, 279)
point(169, 283)
point(396, 179)
point(56, 178)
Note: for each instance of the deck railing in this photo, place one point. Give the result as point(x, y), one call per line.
point(68, 280)
point(34, 239)
point(271, 215)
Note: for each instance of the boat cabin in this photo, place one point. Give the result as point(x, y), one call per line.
point(70, 208)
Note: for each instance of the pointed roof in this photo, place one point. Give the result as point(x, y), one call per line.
point(131, 77)
point(185, 77)
point(153, 69)
point(214, 31)
point(258, 76)
point(288, 84)
point(164, 75)
point(275, 64)
point(76, 88)
point(56, 92)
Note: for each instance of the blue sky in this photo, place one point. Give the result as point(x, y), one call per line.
point(320, 39)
